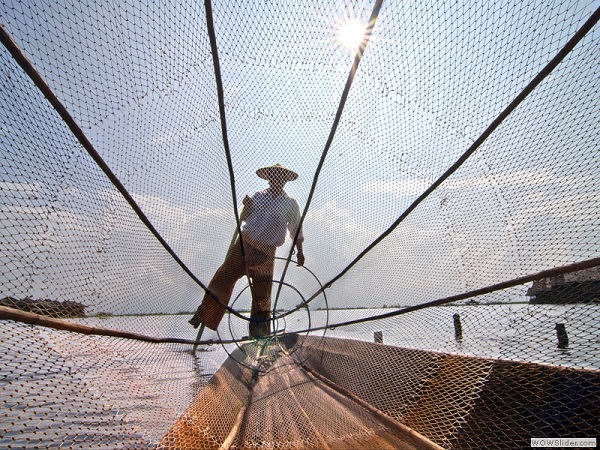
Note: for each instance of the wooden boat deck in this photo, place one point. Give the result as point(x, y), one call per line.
point(282, 405)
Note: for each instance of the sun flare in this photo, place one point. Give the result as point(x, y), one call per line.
point(349, 34)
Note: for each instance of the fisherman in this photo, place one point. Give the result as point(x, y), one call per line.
point(266, 217)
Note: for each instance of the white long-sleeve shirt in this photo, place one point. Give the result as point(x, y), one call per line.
point(271, 216)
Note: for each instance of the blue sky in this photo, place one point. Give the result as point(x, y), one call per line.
point(140, 82)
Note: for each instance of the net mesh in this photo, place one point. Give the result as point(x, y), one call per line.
point(448, 195)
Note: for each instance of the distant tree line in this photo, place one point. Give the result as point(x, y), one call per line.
point(45, 307)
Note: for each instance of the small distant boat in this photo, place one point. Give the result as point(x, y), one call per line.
point(582, 286)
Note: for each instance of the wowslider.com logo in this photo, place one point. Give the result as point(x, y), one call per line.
point(563, 442)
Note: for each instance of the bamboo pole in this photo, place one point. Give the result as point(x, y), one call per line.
point(17, 315)
point(421, 441)
point(198, 337)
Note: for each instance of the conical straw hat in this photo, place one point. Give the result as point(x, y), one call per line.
point(268, 172)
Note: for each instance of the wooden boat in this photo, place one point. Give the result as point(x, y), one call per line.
point(447, 159)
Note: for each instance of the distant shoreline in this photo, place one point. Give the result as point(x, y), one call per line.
point(185, 313)
point(73, 310)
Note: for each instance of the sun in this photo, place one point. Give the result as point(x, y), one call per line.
point(345, 31)
point(349, 34)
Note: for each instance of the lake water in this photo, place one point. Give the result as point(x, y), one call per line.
point(63, 389)
point(518, 331)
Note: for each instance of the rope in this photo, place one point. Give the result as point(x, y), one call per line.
point(16, 315)
point(336, 121)
point(560, 56)
point(594, 262)
point(30, 70)
point(210, 28)
point(45, 89)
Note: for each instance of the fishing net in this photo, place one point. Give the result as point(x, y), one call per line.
point(448, 193)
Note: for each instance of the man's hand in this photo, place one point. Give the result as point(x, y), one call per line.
point(247, 209)
point(300, 254)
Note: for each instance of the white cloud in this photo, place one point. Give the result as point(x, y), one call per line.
point(330, 217)
point(543, 177)
point(398, 187)
point(21, 188)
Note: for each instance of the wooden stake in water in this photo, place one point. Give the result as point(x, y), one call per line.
point(457, 327)
point(561, 334)
point(378, 337)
